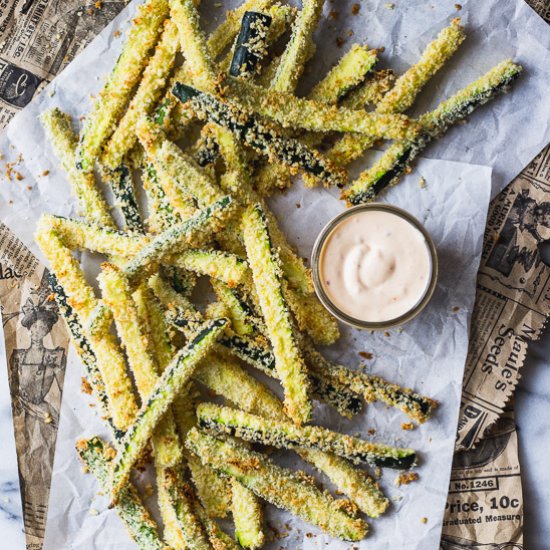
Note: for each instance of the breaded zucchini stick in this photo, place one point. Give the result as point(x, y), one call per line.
point(97, 456)
point(243, 317)
point(248, 516)
point(122, 184)
point(251, 44)
point(146, 97)
point(317, 116)
point(83, 185)
point(262, 137)
point(172, 381)
point(371, 387)
point(117, 295)
point(279, 486)
point(176, 239)
point(286, 435)
point(109, 106)
point(289, 363)
point(110, 362)
point(350, 71)
point(388, 169)
point(83, 235)
point(406, 89)
point(298, 49)
point(370, 92)
point(225, 267)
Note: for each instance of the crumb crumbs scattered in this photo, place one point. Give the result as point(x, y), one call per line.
point(298, 205)
point(389, 6)
point(387, 334)
point(340, 41)
point(365, 354)
point(424, 520)
point(93, 512)
point(355, 9)
point(405, 478)
point(116, 34)
point(407, 426)
point(48, 419)
point(98, 5)
point(371, 431)
point(334, 14)
point(458, 7)
point(148, 490)
point(422, 183)
point(85, 386)
point(455, 309)
point(45, 173)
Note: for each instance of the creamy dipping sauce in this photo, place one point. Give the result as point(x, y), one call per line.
point(375, 266)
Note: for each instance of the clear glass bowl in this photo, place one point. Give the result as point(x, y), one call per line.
point(317, 254)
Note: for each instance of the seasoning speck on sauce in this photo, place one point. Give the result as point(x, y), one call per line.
point(375, 266)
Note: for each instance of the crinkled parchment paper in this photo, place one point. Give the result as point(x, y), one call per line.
point(429, 354)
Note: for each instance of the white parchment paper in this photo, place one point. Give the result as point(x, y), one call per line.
point(428, 353)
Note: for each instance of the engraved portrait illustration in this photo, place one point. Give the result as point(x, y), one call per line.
point(37, 369)
point(527, 225)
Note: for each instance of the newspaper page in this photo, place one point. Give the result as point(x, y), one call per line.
point(36, 350)
point(38, 38)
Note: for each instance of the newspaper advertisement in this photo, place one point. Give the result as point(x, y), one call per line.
point(36, 350)
point(38, 38)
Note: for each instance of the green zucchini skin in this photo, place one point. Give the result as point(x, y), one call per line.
point(120, 180)
point(94, 454)
point(175, 238)
point(281, 487)
point(85, 352)
point(391, 166)
point(166, 390)
point(261, 137)
point(286, 435)
point(250, 46)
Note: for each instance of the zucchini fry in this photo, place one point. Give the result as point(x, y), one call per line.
point(316, 116)
point(234, 384)
point(371, 387)
point(147, 95)
point(349, 73)
point(262, 137)
point(251, 44)
point(370, 92)
point(81, 297)
point(213, 491)
point(225, 267)
point(243, 318)
point(180, 168)
point(176, 239)
point(85, 352)
point(289, 363)
point(96, 456)
point(117, 295)
point(225, 33)
point(388, 169)
point(161, 213)
point(298, 49)
point(82, 235)
point(406, 89)
point(171, 382)
point(198, 63)
point(108, 108)
point(248, 516)
point(84, 186)
point(121, 182)
point(279, 486)
point(286, 435)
